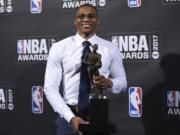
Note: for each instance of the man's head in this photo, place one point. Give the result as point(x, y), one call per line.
point(86, 20)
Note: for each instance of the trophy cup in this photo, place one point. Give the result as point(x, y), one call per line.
point(98, 110)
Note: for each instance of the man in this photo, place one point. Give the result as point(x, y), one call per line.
point(64, 66)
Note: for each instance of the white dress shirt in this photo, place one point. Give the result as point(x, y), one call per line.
point(63, 67)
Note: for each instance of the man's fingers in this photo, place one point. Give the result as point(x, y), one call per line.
point(80, 133)
point(101, 82)
point(81, 121)
point(99, 79)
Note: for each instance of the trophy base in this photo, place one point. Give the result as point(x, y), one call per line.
point(99, 124)
point(97, 129)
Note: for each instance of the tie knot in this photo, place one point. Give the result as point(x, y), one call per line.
point(86, 43)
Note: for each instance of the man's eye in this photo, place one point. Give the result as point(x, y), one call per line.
point(89, 16)
point(81, 16)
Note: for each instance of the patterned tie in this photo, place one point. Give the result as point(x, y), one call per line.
point(83, 102)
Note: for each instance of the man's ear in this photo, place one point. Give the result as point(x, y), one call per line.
point(98, 21)
point(74, 23)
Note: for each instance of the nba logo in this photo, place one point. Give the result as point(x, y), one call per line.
point(135, 102)
point(36, 6)
point(19, 46)
point(170, 98)
point(115, 40)
point(37, 99)
point(173, 98)
point(134, 3)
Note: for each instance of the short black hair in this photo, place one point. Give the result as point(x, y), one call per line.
point(84, 5)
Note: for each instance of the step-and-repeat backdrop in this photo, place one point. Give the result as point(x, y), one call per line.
point(147, 34)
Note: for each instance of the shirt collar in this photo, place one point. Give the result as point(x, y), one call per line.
point(79, 39)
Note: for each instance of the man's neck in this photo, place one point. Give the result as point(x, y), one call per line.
point(87, 36)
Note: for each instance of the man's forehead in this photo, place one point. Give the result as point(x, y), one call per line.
point(86, 9)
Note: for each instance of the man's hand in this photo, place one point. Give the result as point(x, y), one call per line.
point(75, 121)
point(102, 82)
